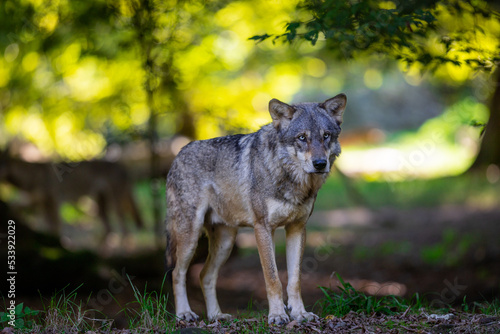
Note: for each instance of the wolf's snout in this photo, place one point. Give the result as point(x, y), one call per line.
point(319, 164)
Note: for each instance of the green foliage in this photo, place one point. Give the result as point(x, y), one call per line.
point(79, 76)
point(360, 25)
point(430, 33)
point(450, 251)
point(349, 299)
point(457, 190)
point(25, 317)
point(445, 128)
point(71, 213)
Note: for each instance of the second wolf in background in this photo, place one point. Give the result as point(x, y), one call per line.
point(49, 185)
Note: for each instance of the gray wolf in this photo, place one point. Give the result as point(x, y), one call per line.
point(267, 179)
point(51, 184)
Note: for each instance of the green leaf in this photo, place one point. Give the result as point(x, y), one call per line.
point(260, 38)
point(19, 309)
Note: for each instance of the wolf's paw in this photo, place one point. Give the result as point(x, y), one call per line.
point(220, 316)
point(278, 319)
point(303, 316)
point(188, 316)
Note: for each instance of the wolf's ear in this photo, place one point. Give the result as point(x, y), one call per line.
point(335, 106)
point(280, 112)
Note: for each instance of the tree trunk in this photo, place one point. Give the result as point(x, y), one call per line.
point(155, 164)
point(145, 25)
point(187, 128)
point(489, 152)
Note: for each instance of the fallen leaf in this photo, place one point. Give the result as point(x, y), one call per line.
point(292, 324)
point(7, 330)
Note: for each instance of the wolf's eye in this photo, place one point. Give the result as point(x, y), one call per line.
point(326, 136)
point(302, 138)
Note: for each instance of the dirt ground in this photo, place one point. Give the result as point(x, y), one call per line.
point(444, 254)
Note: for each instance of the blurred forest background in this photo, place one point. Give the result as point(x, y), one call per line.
point(414, 201)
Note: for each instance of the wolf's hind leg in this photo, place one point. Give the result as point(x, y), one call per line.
point(187, 234)
point(221, 240)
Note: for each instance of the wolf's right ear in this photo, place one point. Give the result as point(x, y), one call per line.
point(335, 106)
point(280, 112)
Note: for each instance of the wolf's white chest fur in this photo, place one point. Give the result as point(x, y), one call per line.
point(238, 210)
point(280, 213)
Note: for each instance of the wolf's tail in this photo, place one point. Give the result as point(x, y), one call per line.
point(171, 250)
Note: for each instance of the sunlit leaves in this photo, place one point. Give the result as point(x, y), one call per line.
point(4, 73)
point(454, 33)
point(74, 71)
point(260, 38)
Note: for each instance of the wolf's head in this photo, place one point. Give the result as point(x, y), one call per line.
point(309, 131)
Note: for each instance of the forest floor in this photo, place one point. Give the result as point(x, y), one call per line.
point(433, 246)
point(447, 256)
point(456, 322)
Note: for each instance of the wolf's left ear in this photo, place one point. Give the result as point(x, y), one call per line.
point(335, 106)
point(281, 113)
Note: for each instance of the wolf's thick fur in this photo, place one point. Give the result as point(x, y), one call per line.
point(51, 184)
point(265, 180)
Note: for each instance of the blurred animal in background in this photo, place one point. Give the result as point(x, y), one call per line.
point(51, 184)
point(265, 180)
point(136, 156)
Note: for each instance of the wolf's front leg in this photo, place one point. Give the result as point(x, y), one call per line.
point(295, 242)
point(264, 238)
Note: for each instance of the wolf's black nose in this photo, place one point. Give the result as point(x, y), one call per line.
point(319, 164)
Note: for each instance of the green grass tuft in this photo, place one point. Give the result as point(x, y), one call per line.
point(149, 310)
point(350, 300)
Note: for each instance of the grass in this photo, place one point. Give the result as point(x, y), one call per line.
point(67, 312)
point(64, 312)
point(152, 312)
point(149, 313)
point(349, 299)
